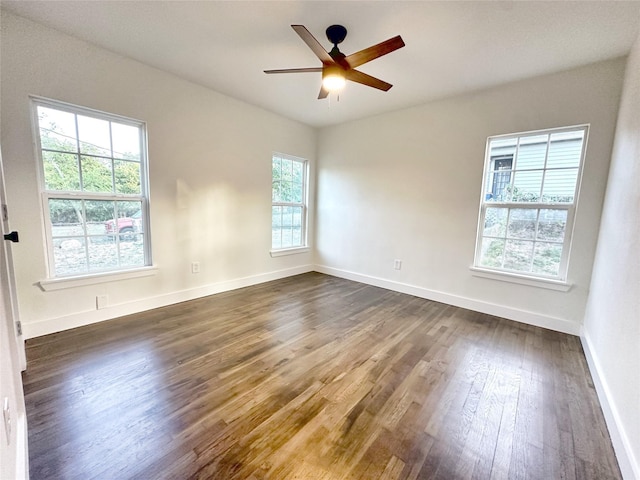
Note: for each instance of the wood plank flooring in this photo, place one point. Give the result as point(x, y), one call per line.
point(313, 377)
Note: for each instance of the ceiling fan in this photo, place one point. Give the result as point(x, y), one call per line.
point(338, 67)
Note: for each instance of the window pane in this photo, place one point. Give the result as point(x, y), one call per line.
point(132, 251)
point(492, 252)
point(129, 218)
point(287, 227)
point(276, 227)
point(126, 141)
point(61, 171)
point(286, 192)
point(296, 193)
point(560, 185)
point(552, 224)
point(287, 189)
point(287, 239)
point(96, 175)
point(127, 176)
point(102, 239)
point(94, 135)
point(517, 255)
point(526, 186)
point(499, 178)
point(275, 191)
point(276, 173)
point(565, 150)
point(66, 217)
point(522, 223)
point(57, 129)
point(102, 254)
point(531, 152)
point(287, 170)
point(296, 227)
point(296, 239)
point(98, 214)
point(276, 238)
point(297, 179)
point(138, 224)
point(501, 147)
point(495, 222)
point(276, 217)
point(69, 256)
point(276, 167)
point(546, 258)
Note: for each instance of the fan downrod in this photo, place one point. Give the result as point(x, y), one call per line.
point(336, 34)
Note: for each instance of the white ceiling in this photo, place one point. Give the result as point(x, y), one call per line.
point(451, 47)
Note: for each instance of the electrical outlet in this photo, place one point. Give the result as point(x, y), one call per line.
point(397, 264)
point(102, 301)
point(195, 267)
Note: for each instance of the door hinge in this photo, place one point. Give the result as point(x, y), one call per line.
point(5, 213)
point(19, 327)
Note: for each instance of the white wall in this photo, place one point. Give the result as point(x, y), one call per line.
point(210, 176)
point(612, 319)
point(406, 185)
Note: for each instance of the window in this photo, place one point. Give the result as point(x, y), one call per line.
point(288, 197)
point(528, 203)
point(93, 169)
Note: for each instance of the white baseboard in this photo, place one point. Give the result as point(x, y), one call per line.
point(522, 316)
point(52, 325)
point(79, 319)
point(629, 465)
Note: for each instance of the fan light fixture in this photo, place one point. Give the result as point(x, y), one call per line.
point(333, 79)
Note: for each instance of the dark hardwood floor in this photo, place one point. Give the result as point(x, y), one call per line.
point(313, 377)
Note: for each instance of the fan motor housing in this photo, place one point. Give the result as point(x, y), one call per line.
point(336, 34)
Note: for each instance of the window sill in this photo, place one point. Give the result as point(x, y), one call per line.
point(288, 251)
point(557, 285)
point(80, 281)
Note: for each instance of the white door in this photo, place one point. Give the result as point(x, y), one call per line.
point(11, 298)
point(14, 458)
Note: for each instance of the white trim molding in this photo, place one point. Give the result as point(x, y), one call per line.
point(521, 279)
point(79, 281)
point(522, 316)
point(629, 465)
point(289, 251)
point(79, 319)
point(22, 460)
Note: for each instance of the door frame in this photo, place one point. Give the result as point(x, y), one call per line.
point(14, 438)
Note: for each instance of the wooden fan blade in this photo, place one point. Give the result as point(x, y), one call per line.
point(368, 80)
point(324, 93)
point(295, 70)
point(313, 44)
point(363, 56)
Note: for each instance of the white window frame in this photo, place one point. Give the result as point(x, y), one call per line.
point(54, 281)
point(304, 247)
point(560, 281)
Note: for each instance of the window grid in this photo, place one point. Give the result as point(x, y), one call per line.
point(288, 221)
point(548, 256)
point(112, 234)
